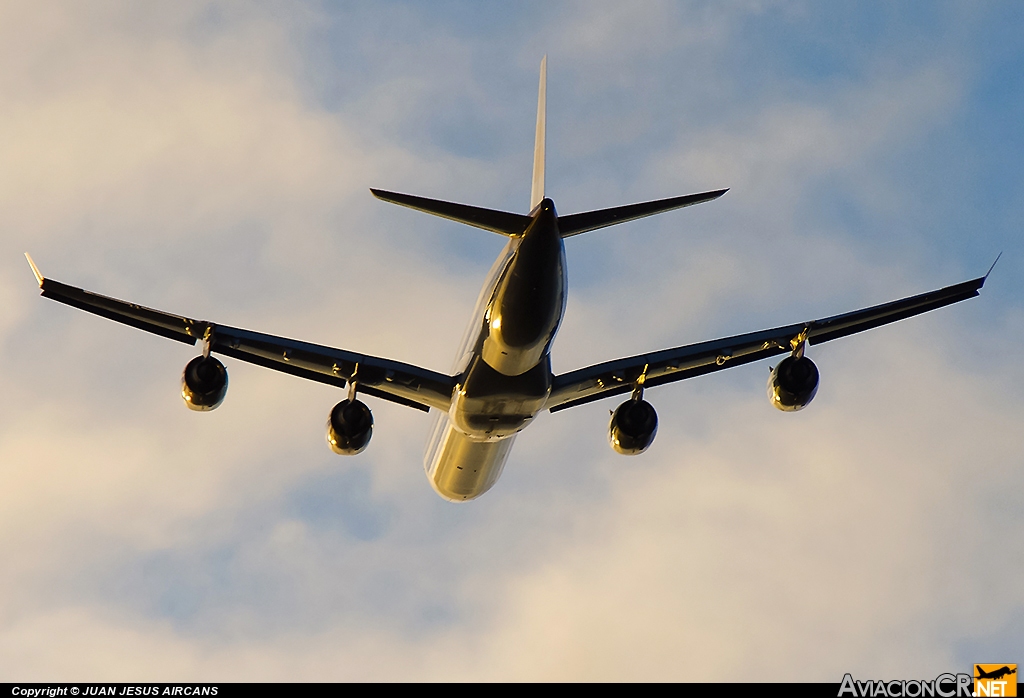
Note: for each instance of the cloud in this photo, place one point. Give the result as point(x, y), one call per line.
point(194, 158)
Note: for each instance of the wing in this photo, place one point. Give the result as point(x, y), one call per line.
point(617, 377)
point(390, 380)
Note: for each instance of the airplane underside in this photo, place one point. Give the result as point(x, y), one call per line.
point(502, 376)
point(460, 468)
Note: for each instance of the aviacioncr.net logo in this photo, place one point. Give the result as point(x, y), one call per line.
point(995, 680)
point(942, 686)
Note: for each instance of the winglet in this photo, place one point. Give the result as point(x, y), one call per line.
point(985, 278)
point(35, 270)
point(537, 190)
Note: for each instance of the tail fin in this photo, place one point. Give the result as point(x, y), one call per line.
point(513, 224)
point(537, 191)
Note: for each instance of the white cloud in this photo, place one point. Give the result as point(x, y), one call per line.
point(175, 156)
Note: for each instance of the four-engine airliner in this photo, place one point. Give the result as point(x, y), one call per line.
point(502, 376)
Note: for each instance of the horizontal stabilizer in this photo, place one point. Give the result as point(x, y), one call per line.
point(486, 218)
point(592, 220)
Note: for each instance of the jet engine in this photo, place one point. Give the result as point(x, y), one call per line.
point(349, 427)
point(204, 383)
point(633, 426)
point(793, 383)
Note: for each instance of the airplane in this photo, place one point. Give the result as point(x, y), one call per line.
point(502, 377)
point(995, 674)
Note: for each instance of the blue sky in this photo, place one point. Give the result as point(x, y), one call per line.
point(214, 160)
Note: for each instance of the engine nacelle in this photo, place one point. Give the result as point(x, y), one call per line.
point(793, 383)
point(633, 426)
point(204, 383)
point(349, 428)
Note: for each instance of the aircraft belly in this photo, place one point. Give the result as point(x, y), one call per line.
point(460, 468)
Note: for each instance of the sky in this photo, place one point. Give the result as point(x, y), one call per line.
point(214, 160)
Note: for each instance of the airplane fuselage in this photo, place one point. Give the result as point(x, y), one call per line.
point(504, 364)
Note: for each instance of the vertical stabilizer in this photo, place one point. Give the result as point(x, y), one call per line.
point(537, 191)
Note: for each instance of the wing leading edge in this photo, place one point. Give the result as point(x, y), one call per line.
point(397, 382)
point(620, 376)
